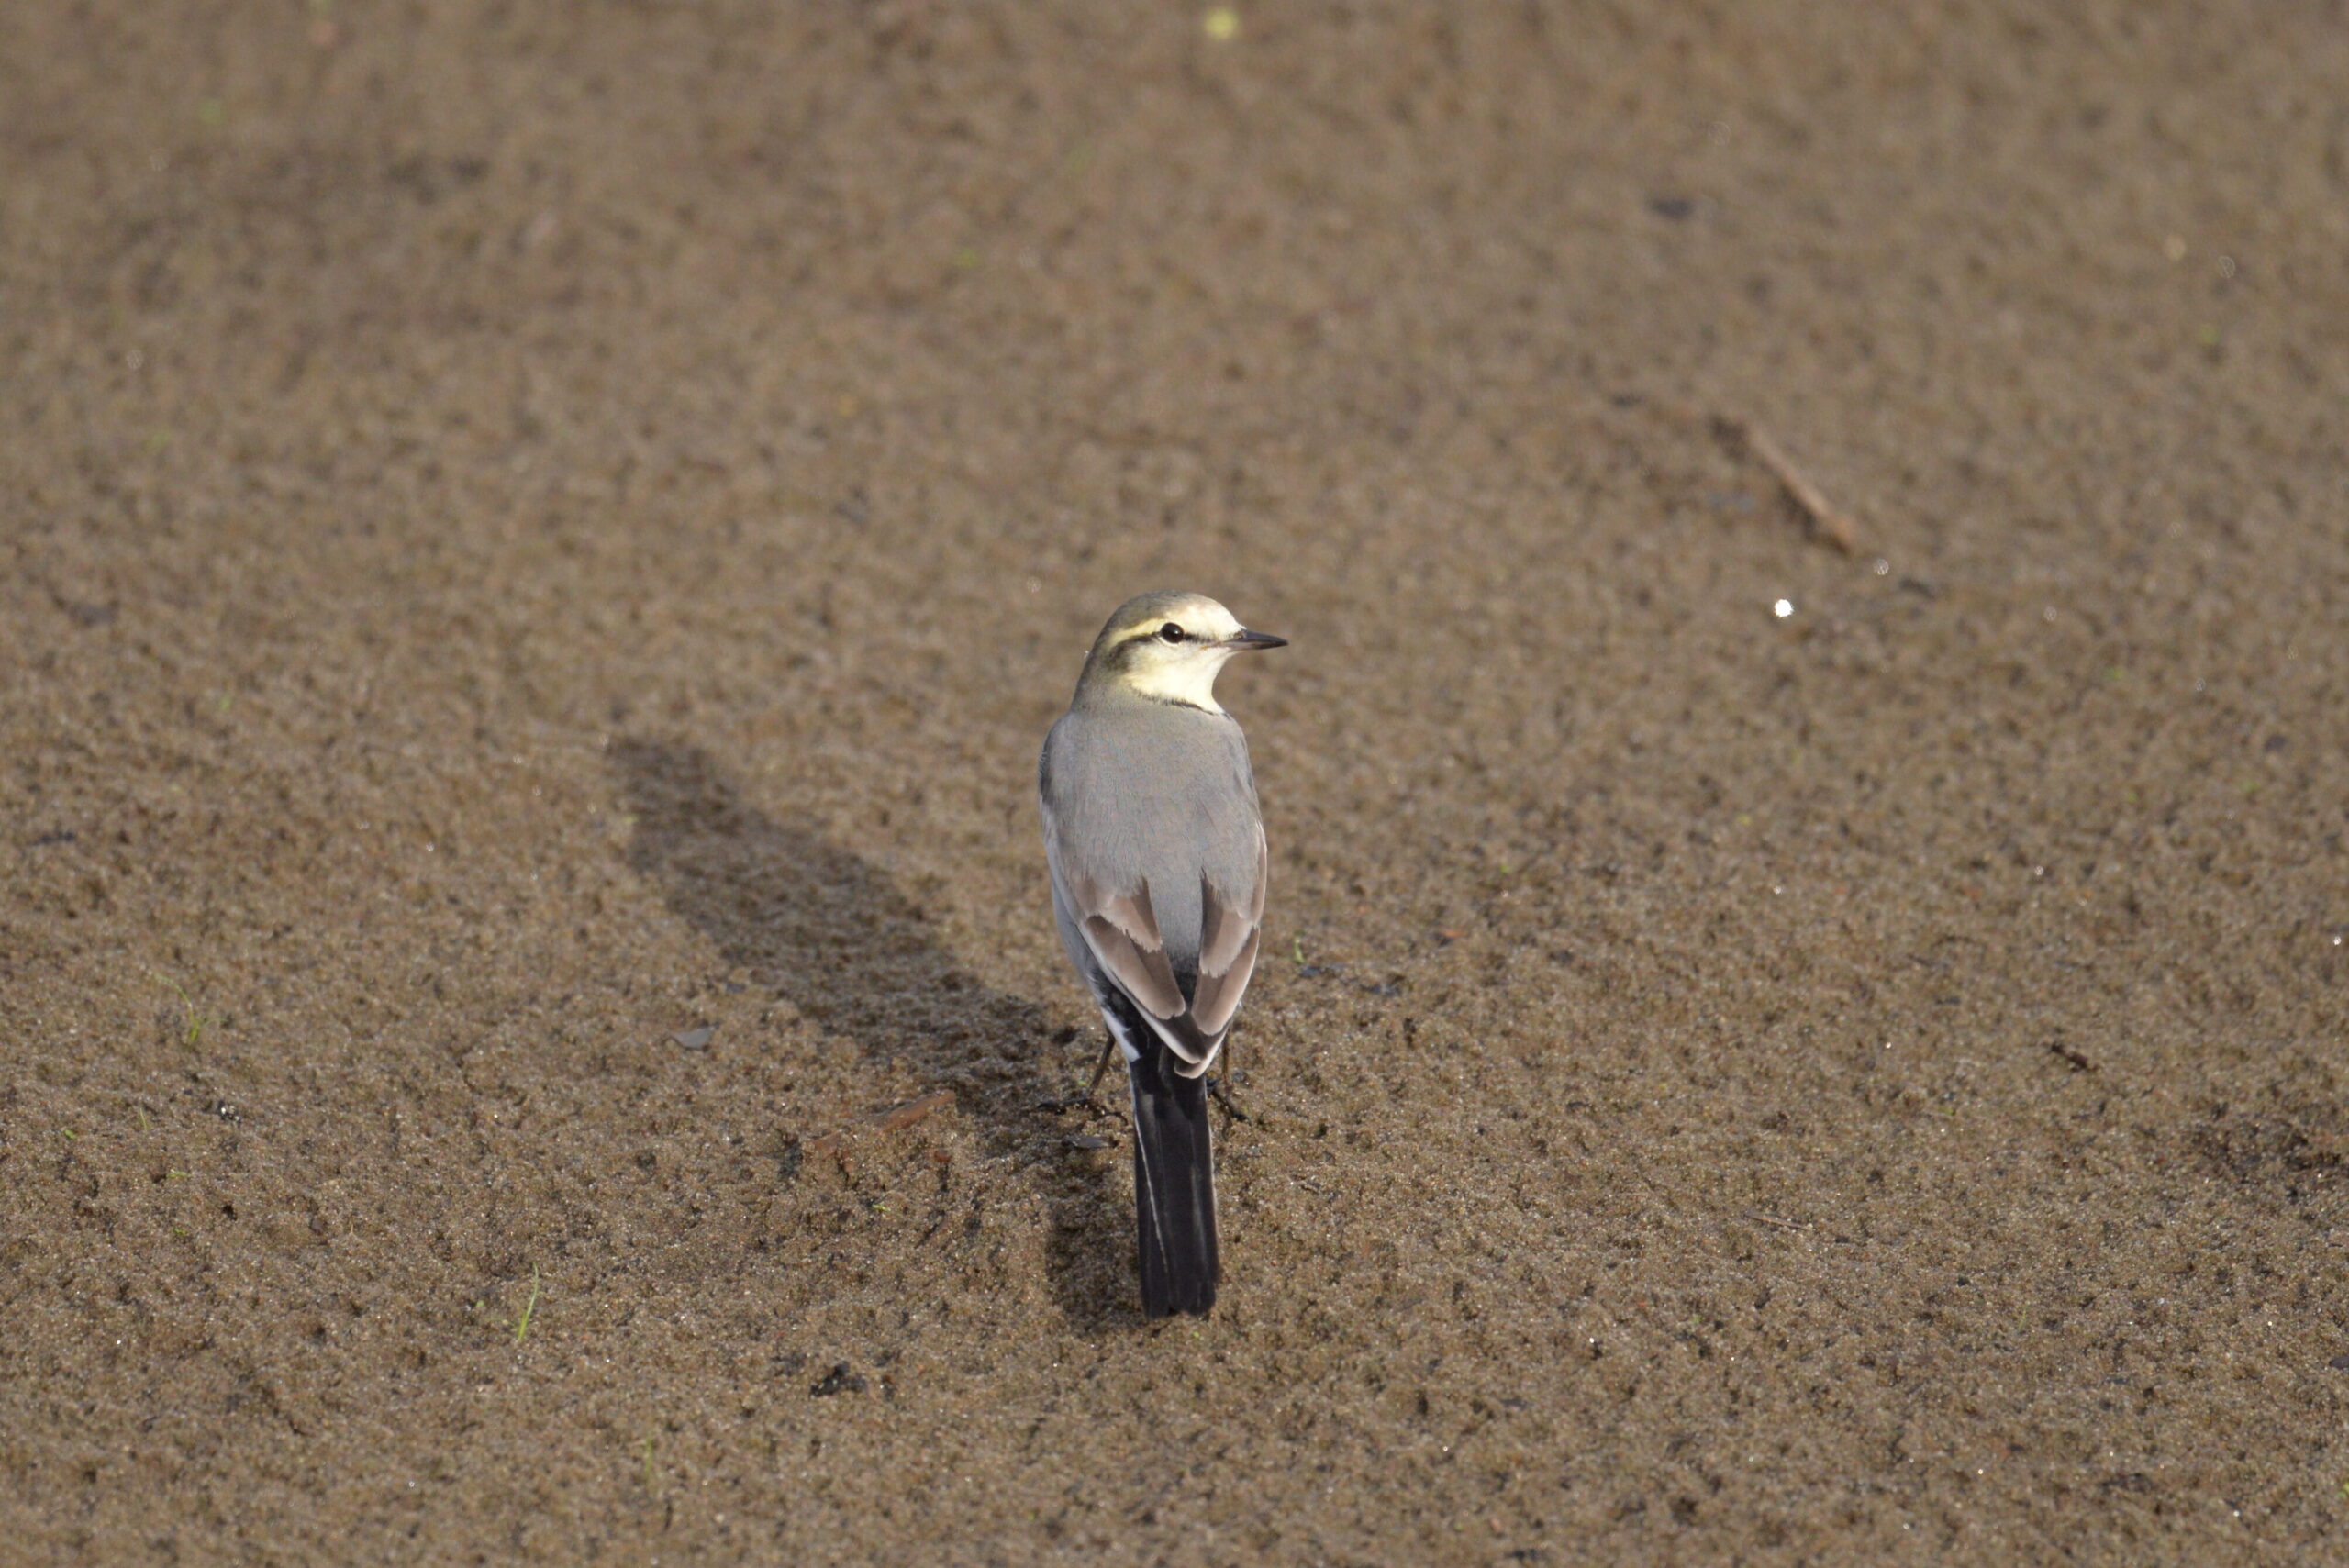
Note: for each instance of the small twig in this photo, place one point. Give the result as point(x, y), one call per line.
point(1837, 525)
point(890, 1121)
point(912, 1111)
point(1774, 1219)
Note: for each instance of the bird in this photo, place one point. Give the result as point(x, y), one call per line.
point(1156, 849)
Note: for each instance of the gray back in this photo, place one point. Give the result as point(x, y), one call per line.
point(1141, 789)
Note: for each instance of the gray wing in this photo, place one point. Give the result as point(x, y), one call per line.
point(1189, 999)
point(1229, 928)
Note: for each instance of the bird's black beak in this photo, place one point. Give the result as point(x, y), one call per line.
point(1247, 642)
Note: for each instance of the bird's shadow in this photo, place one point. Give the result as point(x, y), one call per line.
point(834, 936)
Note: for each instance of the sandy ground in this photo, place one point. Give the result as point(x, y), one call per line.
point(530, 531)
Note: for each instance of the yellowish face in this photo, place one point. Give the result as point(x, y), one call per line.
point(1172, 648)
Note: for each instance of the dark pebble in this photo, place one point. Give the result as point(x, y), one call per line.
point(839, 1380)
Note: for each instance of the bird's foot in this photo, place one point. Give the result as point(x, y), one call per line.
point(1222, 1096)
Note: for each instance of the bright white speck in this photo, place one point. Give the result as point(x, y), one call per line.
point(1782, 608)
point(1883, 567)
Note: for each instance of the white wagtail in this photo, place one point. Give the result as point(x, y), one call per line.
point(1157, 856)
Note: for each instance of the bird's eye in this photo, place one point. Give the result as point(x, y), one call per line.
point(1171, 632)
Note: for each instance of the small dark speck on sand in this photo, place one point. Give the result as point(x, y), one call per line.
point(839, 1380)
point(2077, 1061)
point(2339, 1363)
point(89, 615)
point(1674, 208)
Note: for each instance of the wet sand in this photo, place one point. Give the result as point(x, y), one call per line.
point(531, 532)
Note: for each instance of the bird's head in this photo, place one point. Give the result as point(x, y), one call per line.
point(1169, 647)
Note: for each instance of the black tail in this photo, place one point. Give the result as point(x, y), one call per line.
point(1174, 1186)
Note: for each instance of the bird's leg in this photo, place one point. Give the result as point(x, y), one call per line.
point(1108, 1046)
point(1220, 1086)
